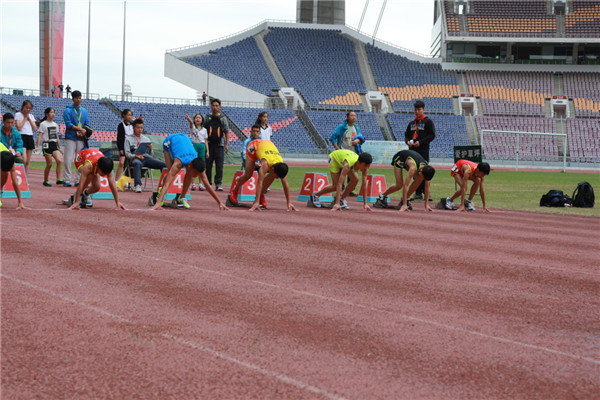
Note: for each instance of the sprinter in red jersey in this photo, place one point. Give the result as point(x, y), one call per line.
point(462, 172)
point(92, 164)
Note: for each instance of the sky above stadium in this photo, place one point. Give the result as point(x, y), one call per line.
point(156, 26)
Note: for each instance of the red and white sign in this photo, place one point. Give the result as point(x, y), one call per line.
point(176, 186)
point(375, 185)
point(313, 182)
point(248, 190)
point(9, 190)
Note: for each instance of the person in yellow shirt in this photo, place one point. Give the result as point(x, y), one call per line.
point(344, 163)
point(8, 166)
point(271, 166)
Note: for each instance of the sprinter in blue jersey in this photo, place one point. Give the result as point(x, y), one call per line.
point(179, 152)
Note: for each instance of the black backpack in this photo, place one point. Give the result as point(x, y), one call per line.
point(583, 196)
point(555, 198)
point(214, 128)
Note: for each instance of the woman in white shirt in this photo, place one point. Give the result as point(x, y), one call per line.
point(265, 130)
point(199, 137)
point(25, 123)
point(48, 135)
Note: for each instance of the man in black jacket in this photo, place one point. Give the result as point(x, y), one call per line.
point(217, 129)
point(419, 133)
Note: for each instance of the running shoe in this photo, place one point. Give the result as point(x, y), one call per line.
point(201, 187)
point(182, 203)
point(262, 201)
point(469, 205)
point(219, 188)
point(60, 182)
point(344, 204)
point(382, 201)
point(67, 184)
point(46, 183)
point(194, 186)
point(316, 202)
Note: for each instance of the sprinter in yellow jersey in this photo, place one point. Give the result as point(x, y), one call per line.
point(271, 166)
point(344, 163)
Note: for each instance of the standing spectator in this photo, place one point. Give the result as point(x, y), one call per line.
point(51, 146)
point(25, 123)
point(53, 90)
point(419, 133)
point(218, 144)
point(124, 129)
point(199, 140)
point(139, 158)
point(265, 130)
point(61, 88)
point(75, 117)
point(11, 137)
point(204, 98)
point(68, 90)
point(347, 136)
point(254, 134)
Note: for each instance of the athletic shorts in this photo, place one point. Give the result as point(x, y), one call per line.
point(28, 142)
point(335, 167)
point(48, 148)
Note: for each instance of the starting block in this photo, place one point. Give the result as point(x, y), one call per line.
point(313, 182)
point(104, 193)
point(9, 191)
point(375, 185)
point(248, 190)
point(176, 186)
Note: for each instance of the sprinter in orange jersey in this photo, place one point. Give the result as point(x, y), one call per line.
point(463, 171)
point(271, 166)
point(92, 164)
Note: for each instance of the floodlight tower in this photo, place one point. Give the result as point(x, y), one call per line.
point(52, 31)
point(321, 11)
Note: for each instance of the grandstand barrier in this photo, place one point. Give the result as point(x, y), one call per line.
point(383, 151)
point(517, 143)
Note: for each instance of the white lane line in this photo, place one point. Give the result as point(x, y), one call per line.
point(272, 374)
point(365, 307)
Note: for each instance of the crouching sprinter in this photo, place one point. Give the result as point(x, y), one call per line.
point(180, 152)
point(271, 167)
point(418, 170)
point(344, 163)
point(462, 172)
point(91, 165)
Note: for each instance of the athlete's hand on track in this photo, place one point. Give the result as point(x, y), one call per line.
point(336, 207)
point(485, 209)
point(427, 208)
point(404, 208)
point(223, 207)
point(368, 207)
point(120, 206)
point(291, 207)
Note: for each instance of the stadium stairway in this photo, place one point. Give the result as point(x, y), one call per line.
point(262, 46)
point(312, 131)
point(363, 63)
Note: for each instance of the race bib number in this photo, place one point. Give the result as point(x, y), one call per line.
point(45, 145)
point(52, 133)
point(251, 150)
point(455, 168)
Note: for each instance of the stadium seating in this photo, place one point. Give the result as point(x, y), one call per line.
point(321, 64)
point(162, 118)
point(101, 118)
point(584, 140)
point(532, 148)
point(514, 93)
point(242, 63)
point(289, 134)
point(584, 20)
point(451, 130)
point(327, 121)
point(585, 91)
point(406, 81)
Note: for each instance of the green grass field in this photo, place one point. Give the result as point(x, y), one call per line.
point(514, 190)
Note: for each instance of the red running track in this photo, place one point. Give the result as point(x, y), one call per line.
point(201, 304)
